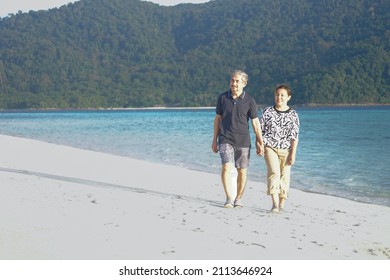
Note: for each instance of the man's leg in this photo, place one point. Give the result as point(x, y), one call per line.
point(226, 177)
point(241, 181)
point(241, 156)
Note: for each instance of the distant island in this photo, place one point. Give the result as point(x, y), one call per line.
point(133, 53)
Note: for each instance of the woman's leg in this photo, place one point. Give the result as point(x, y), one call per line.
point(273, 175)
point(285, 171)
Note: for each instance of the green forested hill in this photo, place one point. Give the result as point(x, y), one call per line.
point(131, 53)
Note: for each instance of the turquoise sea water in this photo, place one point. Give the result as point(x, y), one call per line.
point(342, 151)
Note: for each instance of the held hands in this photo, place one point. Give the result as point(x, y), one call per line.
point(259, 149)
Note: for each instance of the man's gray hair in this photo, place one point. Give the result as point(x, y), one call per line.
point(243, 75)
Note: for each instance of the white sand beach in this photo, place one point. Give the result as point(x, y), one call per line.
point(63, 203)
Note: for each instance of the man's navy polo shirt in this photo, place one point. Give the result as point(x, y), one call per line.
point(234, 126)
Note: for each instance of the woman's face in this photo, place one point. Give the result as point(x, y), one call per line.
point(281, 97)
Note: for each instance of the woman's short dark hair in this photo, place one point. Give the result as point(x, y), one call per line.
point(288, 89)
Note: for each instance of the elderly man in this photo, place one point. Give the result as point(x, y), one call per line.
point(231, 135)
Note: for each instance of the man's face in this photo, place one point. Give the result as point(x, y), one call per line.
point(237, 84)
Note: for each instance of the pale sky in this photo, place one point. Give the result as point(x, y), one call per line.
point(14, 6)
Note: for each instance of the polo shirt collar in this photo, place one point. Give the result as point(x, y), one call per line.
point(241, 96)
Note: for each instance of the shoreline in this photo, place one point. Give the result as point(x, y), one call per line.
point(208, 172)
point(69, 203)
point(309, 105)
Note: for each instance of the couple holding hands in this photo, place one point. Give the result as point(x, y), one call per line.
point(276, 139)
